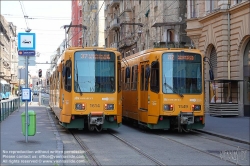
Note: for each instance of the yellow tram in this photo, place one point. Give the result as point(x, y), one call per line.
point(163, 88)
point(85, 91)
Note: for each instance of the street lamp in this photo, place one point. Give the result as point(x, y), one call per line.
point(27, 30)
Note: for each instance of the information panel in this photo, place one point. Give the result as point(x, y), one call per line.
point(26, 94)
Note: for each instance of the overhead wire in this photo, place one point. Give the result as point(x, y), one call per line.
point(24, 13)
point(38, 17)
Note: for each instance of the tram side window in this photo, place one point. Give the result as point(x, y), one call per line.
point(119, 77)
point(123, 82)
point(147, 74)
point(68, 76)
point(134, 77)
point(127, 78)
point(154, 79)
point(142, 78)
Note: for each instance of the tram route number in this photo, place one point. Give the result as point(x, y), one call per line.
point(182, 57)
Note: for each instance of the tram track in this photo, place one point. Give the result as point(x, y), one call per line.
point(154, 160)
point(92, 159)
point(202, 151)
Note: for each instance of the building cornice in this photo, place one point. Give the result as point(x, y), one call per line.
point(212, 15)
point(220, 12)
point(240, 7)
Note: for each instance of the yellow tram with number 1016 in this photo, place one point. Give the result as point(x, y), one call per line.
point(164, 88)
point(85, 89)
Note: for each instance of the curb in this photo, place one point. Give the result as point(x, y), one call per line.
point(224, 137)
point(57, 134)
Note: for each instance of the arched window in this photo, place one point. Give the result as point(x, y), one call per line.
point(213, 60)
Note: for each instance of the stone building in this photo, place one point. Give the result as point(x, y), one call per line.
point(221, 30)
point(8, 53)
point(76, 31)
point(135, 25)
point(93, 20)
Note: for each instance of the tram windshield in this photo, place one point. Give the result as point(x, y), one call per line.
point(94, 71)
point(181, 73)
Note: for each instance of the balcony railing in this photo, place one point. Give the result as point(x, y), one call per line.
point(114, 3)
point(114, 24)
point(94, 8)
point(114, 45)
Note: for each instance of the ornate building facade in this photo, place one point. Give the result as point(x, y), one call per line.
point(221, 30)
point(8, 53)
point(132, 25)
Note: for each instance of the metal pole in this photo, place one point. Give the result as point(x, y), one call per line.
point(20, 76)
point(26, 102)
point(40, 89)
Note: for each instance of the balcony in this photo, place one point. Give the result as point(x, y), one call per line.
point(93, 8)
point(125, 18)
point(127, 8)
point(106, 7)
point(114, 3)
point(114, 45)
point(114, 24)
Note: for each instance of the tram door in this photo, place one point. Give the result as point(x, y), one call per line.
point(144, 83)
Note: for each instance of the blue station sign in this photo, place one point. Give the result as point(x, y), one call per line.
point(26, 41)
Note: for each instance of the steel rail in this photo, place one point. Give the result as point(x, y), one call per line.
point(138, 150)
point(90, 155)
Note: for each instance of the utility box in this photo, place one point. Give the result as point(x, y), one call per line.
point(32, 123)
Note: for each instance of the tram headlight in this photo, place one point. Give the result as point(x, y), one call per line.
point(109, 106)
point(196, 107)
point(80, 106)
point(168, 107)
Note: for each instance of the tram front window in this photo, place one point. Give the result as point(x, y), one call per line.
point(181, 73)
point(94, 72)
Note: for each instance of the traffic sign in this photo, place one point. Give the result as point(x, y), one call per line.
point(31, 61)
point(27, 52)
point(26, 41)
point(26, 94)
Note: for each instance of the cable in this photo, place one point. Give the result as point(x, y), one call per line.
point(24, 14)
point(38, 17)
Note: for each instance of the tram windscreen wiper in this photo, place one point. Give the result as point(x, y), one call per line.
point(78, 85)
point(166, 84)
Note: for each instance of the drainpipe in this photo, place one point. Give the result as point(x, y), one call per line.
point(228, 51)
point(228, 40)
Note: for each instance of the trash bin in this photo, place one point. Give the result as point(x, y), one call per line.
point(32, 124)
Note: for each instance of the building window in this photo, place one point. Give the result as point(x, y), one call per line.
point(193, 9)
point(80, 13)
point(170, 35)
point(213, 60)
point(210, 6)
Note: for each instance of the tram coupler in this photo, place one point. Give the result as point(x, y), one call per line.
point(185, 118)
point(96, 118)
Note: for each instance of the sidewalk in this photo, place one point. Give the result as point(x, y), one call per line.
point(237, 128)
point(44, 148)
